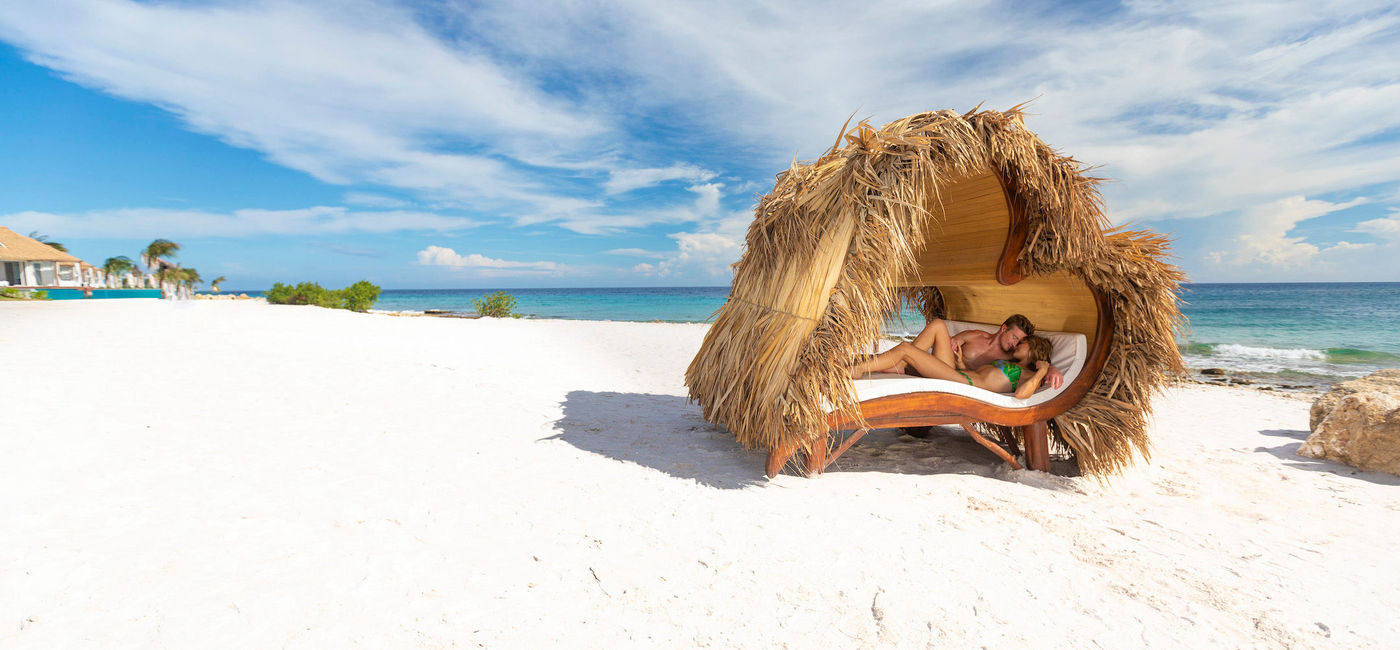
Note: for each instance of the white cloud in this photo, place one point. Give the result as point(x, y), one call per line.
point(350, 92)
point(1263, 239)
point(441, 256)
point(706, 253)
point(595, 220)
point(626, 180)
point(1387, 228)
point(160, 222)
point(1197, 109)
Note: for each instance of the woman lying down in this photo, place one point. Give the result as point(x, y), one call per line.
point(1022, 375)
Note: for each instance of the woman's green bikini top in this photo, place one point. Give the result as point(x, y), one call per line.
point(1011, 370)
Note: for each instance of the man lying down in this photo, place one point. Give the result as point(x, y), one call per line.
point(1013, 360)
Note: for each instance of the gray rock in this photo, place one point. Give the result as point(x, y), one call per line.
point(1383, 381)
point(1362, 430)
point(1213, 371)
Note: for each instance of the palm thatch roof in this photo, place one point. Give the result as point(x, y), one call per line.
point(832, 250)
point(15, 247)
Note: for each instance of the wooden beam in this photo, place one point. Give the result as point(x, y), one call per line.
point(994, 447)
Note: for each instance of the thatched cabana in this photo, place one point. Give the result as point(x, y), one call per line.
point(964, 216)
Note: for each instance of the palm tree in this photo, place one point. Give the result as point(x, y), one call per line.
point(155, 252)
point(214, 284)
point(44, 239)
point(188, 277)
point(117, 266)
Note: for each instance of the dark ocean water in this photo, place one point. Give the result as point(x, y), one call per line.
point(1308, 332)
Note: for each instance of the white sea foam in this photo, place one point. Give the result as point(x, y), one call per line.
point(1282, 354)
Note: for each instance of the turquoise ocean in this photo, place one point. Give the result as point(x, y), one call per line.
point(1305, 333)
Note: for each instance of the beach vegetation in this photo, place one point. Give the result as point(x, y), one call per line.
point(360, 296)
point(496, 305)
point(156, 252)
point(214, 284)
point(18, 294)
point(115, 266)
point(187, 277)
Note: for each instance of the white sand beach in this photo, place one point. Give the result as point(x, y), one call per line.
point(238, 475)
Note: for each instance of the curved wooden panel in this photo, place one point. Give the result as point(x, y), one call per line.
point(967, 238)
point(1059, 302)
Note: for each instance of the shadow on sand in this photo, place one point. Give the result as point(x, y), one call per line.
point(936, 450)
point(1289, 454)
point(662, 432)
point(667, 434)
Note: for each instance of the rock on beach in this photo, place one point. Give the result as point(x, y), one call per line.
point(1358, 423)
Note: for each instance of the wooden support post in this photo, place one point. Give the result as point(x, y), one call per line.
point(1038, 445)
point(777, 457)
point(816, 457)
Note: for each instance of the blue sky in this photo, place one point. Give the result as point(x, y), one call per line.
point(485, 144)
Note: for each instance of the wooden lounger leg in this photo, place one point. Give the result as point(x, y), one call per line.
point(1038, 445)
point(777, 457)
point(816, 458)
point(996, 449)
point(820, 458)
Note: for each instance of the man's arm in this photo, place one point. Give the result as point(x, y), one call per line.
point(970, 341)
point(1054, 376)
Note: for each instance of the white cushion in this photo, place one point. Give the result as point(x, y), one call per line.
point(1070, 350)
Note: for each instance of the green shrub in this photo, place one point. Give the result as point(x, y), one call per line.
point(496, 305)
point(279, 294)
point(357, 297)
point(26, 294)
point(360, 296)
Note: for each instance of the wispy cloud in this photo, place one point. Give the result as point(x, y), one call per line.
point(370, 200)
point(353, 251)
point(1387, 228)
point(626, 180)
point(158, 222)
point(636, 252)
point(355, 92)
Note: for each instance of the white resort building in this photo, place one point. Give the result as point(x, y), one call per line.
point(32, 264)
point(27, 262)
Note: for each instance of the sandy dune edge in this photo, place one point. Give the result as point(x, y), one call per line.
point(234, 474)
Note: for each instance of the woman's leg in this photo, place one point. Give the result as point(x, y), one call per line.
point(881, 362)
point(935, 337)
point(931, 366)
point(926, 364)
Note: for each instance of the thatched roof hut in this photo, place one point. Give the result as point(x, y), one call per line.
point(967, 216)
point(15, 247)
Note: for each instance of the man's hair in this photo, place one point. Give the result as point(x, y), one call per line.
point(1040, 349)
point(1020, 321)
